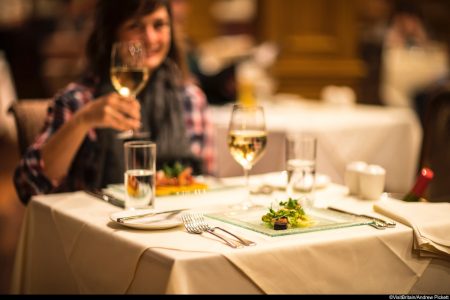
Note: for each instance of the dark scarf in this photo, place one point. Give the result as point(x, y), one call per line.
point(161, 114)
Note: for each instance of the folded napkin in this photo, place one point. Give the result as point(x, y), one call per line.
point(429, 221)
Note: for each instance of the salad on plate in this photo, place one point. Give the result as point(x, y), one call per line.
point(290, 214)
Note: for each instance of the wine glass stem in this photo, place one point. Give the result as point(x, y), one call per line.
point(133, 131)
point(247, 184)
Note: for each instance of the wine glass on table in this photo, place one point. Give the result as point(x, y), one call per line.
point(129, 75)
point(247, 139)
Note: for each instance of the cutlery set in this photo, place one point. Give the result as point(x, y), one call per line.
point(195, 223)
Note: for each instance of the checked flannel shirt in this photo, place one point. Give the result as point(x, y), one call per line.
point(29, 177)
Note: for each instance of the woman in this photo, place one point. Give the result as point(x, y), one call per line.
point(79, 147)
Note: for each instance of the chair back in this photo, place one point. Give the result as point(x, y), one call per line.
point(30, 117)
point(436, 145)
point(7, 89)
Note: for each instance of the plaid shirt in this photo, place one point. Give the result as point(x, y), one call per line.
point(29, 177)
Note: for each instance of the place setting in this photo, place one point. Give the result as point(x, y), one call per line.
point(139, 191)
point(289, 207)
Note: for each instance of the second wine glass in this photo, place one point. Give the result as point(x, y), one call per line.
point(247, 140)
point(129, 74)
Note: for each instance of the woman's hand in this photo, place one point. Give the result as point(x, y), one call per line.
point(109, 111)
point(112, 111)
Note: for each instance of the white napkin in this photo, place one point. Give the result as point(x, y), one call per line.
point(429, 221)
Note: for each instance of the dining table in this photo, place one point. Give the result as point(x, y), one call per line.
point(71, 244)
point(390, 137)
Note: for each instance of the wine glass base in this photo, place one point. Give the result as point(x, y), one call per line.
point(125, 135)
point(247, 205)
point(307, 200)
point(133, 135)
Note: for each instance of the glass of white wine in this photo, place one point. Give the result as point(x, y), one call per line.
point(247, 140)
point(129, 73)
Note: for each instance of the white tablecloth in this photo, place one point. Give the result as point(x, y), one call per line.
point(389, 137)
point(69, 245)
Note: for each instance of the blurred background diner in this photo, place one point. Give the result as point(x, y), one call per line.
point(381, 53)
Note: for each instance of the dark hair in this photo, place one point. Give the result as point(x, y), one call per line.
point(109, 16)
point(408, 7)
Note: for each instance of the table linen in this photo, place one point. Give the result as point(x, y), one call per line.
point(429, 221)
point(385, 136)
point(69, 245)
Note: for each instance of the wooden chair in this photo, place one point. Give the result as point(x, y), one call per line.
point(30, 118)
point(436, 144)
point(20, 122)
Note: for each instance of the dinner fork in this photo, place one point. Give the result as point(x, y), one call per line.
point(199, 218)
point(192, 226)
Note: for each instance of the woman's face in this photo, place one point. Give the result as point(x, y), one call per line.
point(154, 30)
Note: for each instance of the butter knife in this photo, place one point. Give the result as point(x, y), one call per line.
point(107, 197)
point(134, 217)
point(390, 224)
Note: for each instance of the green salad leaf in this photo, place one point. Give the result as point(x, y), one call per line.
point(173, 171)
point(290, 210)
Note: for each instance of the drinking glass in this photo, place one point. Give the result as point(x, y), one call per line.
point(247, 139)
point(301, 166)
point(129, 74)
point(140, 164)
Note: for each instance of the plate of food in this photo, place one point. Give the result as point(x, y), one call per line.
point(170, 180)
point(176, 180)
point(288, 217)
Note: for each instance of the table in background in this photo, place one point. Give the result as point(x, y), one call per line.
point(69, 245)
point(386, 136)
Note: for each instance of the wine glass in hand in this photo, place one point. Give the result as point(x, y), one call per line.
point(129, 74)
point(247, 139)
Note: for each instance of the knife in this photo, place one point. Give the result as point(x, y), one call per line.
point(390, 224)
point(107, 197)
point(121, 220)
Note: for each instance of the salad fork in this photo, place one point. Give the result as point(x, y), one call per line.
point(204, 225)
point(192, 226)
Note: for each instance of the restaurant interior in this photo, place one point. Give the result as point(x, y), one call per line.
point(298, 54)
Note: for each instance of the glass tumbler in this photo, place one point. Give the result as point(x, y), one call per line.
point(301, 166)
point(140, 165)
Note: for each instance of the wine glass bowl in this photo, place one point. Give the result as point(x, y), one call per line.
point(247, 140)
point(247, 146)
point(129, 74)
point(128, 71)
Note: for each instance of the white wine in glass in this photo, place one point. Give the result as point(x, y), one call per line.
point(129, 74)
point(128, 81)
point(247, 140)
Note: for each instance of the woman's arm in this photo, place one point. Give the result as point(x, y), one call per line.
point(108, 111)
point(72, 115)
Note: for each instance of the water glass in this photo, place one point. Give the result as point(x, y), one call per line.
point(140, 165)
point(301, 166)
